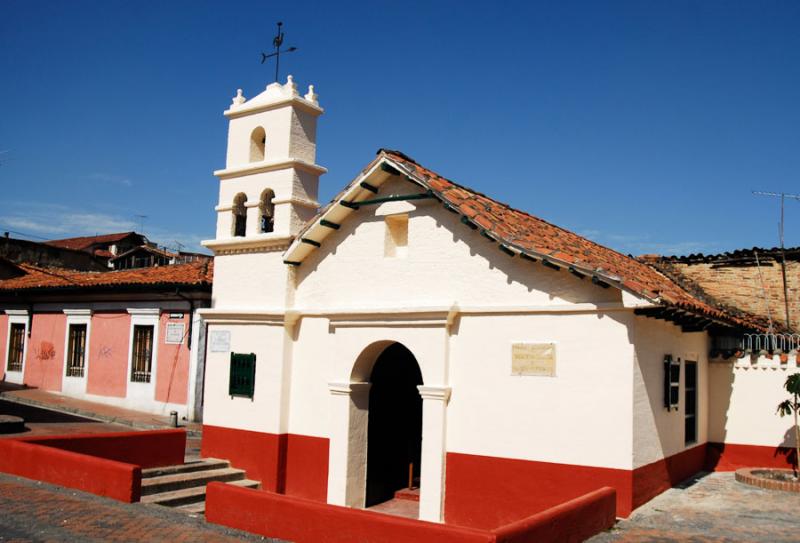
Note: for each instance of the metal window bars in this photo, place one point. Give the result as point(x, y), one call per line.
point(16, 347)
point(76, 353)
point(142, 356)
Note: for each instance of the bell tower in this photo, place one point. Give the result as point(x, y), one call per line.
point(268, 188)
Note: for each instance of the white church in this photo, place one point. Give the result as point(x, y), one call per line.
point(415, 339)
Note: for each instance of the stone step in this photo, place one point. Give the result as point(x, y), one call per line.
point(189, 496)
point(194, 465)
point(178, 481)
point(193, 508)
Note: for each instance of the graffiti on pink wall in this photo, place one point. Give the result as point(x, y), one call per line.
point(45, 351)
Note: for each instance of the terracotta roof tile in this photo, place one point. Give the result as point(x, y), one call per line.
point(84, 242)
point(196, 273)
point(537, 237)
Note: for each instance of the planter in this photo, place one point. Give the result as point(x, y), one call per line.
point(769, 478)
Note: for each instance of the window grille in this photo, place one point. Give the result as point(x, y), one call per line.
point(16, 347)
point(672, 379)
point(142, 356)
point(76, 350)
point(243, 375)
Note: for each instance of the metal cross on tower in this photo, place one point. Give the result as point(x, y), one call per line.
point(277, 41)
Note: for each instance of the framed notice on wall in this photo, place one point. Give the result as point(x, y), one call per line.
point(534, 359)
point(220, 341)
point(175, 331)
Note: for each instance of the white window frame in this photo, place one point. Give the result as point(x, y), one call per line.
point(143, 392)
point(76, 386)
point(16, 316)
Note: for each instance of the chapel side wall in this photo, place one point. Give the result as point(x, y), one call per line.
point(528, 443)
point(109, 342)
point(44, 364)
point(659, 433)
point(3, 340)
point(744, 396)
point(172, 371)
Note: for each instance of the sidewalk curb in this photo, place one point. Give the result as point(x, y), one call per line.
point(95, 416)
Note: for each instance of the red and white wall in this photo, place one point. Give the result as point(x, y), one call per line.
point(107, 362)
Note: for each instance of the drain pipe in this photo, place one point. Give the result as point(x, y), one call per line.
point(191, 317)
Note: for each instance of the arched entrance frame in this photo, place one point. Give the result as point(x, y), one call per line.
point(359, 347)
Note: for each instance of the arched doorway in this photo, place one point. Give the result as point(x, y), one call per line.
point(394, 434)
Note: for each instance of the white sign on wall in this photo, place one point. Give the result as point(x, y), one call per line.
point(537, 359)
point(220, 341)
point(175, 331)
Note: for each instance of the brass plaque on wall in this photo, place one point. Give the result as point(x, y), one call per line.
point(537, 359)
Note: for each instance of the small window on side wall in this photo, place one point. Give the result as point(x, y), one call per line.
point(243, 375)
point(267, 209)
point(672, 382)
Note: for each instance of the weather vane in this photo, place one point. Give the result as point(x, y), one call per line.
point(277, 41)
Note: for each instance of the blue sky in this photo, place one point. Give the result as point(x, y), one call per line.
point(642, 125)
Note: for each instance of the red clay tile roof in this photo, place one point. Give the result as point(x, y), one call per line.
point(199, 273)
point(537, 238)
point(85, 242)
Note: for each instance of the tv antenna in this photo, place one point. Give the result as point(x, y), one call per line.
point(782, 196)
point(277, 41)
point(141, 222)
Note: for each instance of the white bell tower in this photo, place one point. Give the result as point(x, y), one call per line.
point(268, 190)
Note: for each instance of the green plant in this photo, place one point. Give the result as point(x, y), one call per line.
point(792, 407)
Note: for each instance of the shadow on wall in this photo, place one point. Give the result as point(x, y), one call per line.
point(787, 449)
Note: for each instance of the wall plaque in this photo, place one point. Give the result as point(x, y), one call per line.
point(175, 331)
point(538, 359)
point(220, 341)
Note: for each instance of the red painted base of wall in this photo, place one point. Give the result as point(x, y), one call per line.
point(286, 463)
point(518, 488)
point(302, 521)
point(730, 457)
point(651, 480)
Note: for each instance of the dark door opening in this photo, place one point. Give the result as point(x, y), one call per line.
point(394, 435)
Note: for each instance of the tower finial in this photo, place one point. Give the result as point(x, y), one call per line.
point(311, 96)
point(239, 98)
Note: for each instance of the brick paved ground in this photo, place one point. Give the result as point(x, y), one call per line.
point(714, 509)
point(37, 512)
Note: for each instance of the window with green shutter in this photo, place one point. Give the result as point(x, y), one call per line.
point(243, 375)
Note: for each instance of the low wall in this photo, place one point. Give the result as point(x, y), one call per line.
point(108, 465)
point(301, 520)
point(150, 449)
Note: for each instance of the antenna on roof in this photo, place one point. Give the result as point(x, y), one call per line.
point(141, 222)
point(783, 196)
point(277, 41)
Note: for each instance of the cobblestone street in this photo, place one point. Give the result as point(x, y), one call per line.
point(38, 512)
point(714, 509)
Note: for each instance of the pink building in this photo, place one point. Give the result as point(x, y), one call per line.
point(124, 338)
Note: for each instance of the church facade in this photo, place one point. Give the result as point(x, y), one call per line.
point(416, 334)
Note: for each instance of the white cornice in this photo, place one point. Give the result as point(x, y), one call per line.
point(276, 242)
point(79, 312)
point(144, 311)
point(439, 393)
point(269, 166)
point(296, 101)
point(243, 316)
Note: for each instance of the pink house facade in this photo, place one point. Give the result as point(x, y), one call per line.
point(125, 338)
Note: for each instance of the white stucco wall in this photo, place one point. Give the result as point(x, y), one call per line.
point(657, 432)
point(580, 416)
point(744, 396)
point(250, 280)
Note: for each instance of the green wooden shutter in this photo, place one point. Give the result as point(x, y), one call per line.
point(243, 375)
